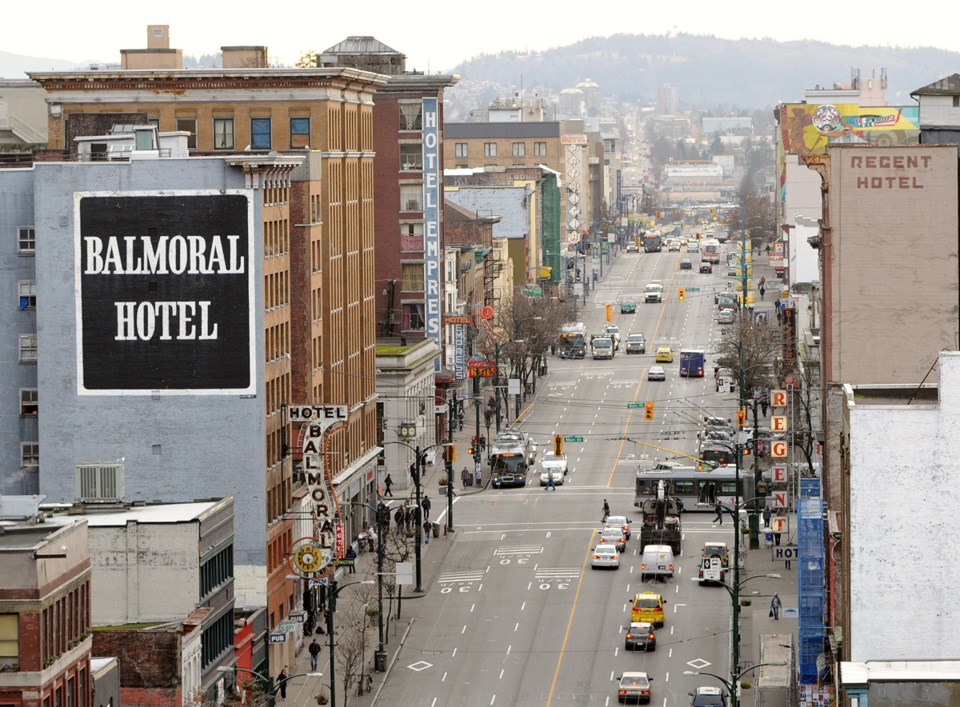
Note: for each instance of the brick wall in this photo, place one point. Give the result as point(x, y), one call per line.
point(148, 659)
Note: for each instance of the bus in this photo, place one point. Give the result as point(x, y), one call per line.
point(572, 340)
point(508, 469)
point(710, 251)
point(696, 489)
point(691, 363)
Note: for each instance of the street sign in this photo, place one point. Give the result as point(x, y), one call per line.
point(458, 319)
point(278, 638)
point(298, 616)
point(693, 289)
point(634, 405)
point(322, 582)
point(287, 626)
point(572, 439)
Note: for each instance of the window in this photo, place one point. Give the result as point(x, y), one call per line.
point(28, 348)
point(411, 157)
point(189, 125)
point(489, 149)
point(540, 149)
point(411, 116)
point(260, 134)
point(215, 571)
point(28, 402)
point(411, 277)
point(411, 197)
point(223, 133)
point(217, 638)
point(519, 149)
point(299, 132)
point(461, 149)
point(10, 641)
point(413, 316)
point(26, 239)
point(27, 291)
point(29, 455)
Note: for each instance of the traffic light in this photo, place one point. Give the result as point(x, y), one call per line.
point(473, 446)
point(741, 418)
point(648, 411)
point(450, 453)
point(609, 312)
point(558, 445)
point(681, 293)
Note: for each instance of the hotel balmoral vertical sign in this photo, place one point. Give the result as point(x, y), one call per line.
point(165, 293)
point(431, 224)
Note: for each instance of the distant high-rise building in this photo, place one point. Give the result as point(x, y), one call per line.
point(572, 103)
point(591, 97)
point(666, 100)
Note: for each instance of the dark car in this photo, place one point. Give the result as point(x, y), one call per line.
point(640, 637)
point(706, 268)
point(686, 264)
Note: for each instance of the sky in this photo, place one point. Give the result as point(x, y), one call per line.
point(437, 36)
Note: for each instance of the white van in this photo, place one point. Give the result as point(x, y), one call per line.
point(656, 561)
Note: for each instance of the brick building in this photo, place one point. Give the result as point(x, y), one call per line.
point(45, 642)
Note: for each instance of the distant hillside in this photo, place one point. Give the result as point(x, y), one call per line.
point(707, 72)
point(15, 66)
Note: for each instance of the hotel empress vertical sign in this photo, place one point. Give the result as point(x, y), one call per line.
point(165, 293)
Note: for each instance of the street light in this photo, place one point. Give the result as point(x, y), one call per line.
point(733, 684)
point(334, 591)
point(266, 679)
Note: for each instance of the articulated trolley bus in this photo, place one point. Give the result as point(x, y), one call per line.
point(696, 489)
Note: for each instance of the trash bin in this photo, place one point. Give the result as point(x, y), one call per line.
point(380, 661)
point(436, 529)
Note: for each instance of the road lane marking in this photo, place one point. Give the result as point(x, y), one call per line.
point(454, 654)
point(480, 588)
point(472, 607)
point(444, 678)
point(523, 606)
point(516, 627)
point(509, 648)
point(502, 671)
point(566, 634)
point(463, 630)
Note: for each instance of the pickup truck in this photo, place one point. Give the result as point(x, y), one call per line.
point(653, 292)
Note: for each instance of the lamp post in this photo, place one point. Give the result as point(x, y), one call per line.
point(334, 591)
point(272, 688)
point(732, 685)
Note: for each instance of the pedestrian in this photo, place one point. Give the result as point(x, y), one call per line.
point(398, 518)
point(551, 486)
point(768, 249)
point(465, 476)
point(764, 404)
point(314, 655)
point(762, 292)
point(460, 418)
point(719, 510)
point(775, 605)
point(606, 511)
point(282, 683)
point(387, 483)
point(352, 559)
point(411, 518)
point(766, 517)
point(427, 527)
point(425, 504)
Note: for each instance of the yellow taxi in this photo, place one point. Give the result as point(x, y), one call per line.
point(664, 354)
point(648, 606)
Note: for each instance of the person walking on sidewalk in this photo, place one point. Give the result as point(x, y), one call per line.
point(387, 483)
point(425, 504)
point(766, 517)
point(352, 559)
point(775, 605)
point(465, 476)
point(719, 510)
point(427, 527)
point(282, 683)
point(314, 655)
point(399, 518)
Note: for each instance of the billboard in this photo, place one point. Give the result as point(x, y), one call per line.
point(165, 293)
point(807, 128)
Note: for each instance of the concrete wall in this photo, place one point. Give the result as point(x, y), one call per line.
point(176, 447)
point(904, 489)
point(893, 262)
point(16, 209)
point(144, 572)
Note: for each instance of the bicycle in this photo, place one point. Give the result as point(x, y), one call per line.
point(364, 684)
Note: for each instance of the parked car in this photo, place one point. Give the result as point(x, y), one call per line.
point(640, 636)
point(656, 373)
point(633, 687)
point(636, 344)
point(605, 555)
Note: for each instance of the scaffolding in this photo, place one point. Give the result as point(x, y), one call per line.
point(811, 591)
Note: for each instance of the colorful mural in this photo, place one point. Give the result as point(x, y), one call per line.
point(807, 128)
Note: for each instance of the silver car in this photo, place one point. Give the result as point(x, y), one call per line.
point(605, 556)
point(633, 687)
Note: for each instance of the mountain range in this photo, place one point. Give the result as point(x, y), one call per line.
point(708, 73)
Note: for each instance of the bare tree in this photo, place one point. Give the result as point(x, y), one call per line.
point(351, 625)
point(752, 351)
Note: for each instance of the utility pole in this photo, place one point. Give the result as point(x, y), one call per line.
point(449, 460)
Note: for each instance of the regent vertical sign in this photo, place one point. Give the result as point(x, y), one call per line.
point(165, 293)
point(431, 223)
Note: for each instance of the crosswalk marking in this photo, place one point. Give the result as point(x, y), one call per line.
point(519, 550)
point(557, 572)
point(453, 577)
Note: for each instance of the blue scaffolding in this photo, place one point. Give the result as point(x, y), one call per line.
point(810, 579)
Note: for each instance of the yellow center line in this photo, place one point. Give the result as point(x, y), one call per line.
point(573, 610)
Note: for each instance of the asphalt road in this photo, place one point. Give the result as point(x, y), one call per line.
point(517, 616)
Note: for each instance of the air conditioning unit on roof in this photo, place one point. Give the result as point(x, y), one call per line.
point(100, 481)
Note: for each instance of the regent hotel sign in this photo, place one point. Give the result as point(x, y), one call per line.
point(165, 293)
